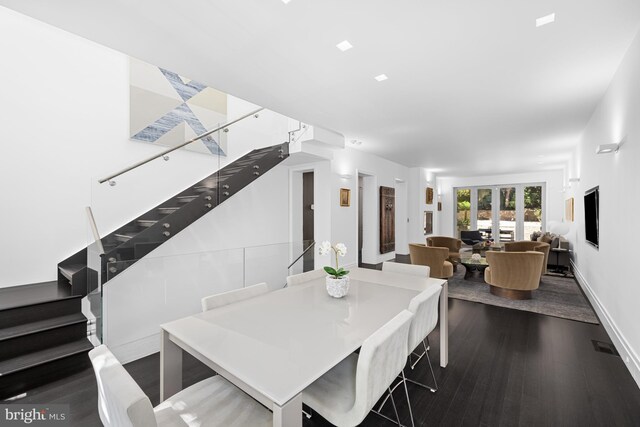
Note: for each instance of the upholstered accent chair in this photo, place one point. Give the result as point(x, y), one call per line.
point(471, 237)
point(514, 275)
point(452, 244)
point(528, 245)
point(435, 258)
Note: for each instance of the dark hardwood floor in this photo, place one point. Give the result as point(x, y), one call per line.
point(506, 368)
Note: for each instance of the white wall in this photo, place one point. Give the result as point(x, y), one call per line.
point(66, 123)
point(420, 179)
point(553, 200)
point(608, 274)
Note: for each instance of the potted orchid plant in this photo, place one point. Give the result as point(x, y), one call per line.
point(337, 280)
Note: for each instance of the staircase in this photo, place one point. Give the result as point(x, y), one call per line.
point(43, 336)
point(43, 333)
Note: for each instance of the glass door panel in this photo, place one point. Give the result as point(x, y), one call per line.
point(532, 210)
point(484, 218)
point(507, 214)
point(463, 212)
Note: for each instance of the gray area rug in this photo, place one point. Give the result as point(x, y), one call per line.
point(557, 296)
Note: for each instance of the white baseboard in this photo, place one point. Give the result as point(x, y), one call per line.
point(630, 358)
point(138, 349)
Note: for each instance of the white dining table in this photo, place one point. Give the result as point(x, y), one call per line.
point(273, 346)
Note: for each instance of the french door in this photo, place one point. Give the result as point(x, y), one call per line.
point(501, 212)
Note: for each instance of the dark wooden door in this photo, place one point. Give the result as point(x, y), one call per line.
point(387, 220)
point(307, 219)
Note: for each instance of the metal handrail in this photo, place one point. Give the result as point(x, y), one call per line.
point(302, 254)
point(171, 149)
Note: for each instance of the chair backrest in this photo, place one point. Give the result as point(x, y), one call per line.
point(226, 298)
point(452, 244)
point(430, 256)
point(515, 270)
point(424, 307)
point(529, 245)
point(121, 402)
point(298, 279)
point(382, 357)
point(398, 267)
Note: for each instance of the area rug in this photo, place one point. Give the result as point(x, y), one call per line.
point(557, 296)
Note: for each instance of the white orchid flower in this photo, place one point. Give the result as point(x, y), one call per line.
point(341, 249)
point(325, 248)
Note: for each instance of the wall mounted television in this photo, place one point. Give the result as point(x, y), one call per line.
point(591, 216)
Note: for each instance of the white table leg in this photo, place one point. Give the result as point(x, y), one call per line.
point(444, 325)
point(170, 367)
point(289, 415)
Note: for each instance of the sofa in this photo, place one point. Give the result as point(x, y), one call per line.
point(514, 275)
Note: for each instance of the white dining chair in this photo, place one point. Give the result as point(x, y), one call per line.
point(226, 298)
point(345, 395)
point(412, 269)
point(211, 402)
point(299, 279)
point(424, 307)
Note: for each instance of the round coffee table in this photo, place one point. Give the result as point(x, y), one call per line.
point(474, 268)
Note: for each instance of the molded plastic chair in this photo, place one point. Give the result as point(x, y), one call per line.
point(298, 279)
point(346, 394)
point(398, 267)
point(424, 307)
point(211, 402)
point(435, 258)
point(226, 298)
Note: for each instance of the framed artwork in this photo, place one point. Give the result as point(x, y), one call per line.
point(428, 222)
point(168, 109)
point(345, 197)
point(429, 196)
point(439, 206)
point(568, 209)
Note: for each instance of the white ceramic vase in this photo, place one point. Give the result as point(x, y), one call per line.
point(337, 288)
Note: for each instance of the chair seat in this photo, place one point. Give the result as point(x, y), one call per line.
point(447, 270)
point(333, 394)
point(212, 402)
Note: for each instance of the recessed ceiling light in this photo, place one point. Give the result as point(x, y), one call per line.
point(286, 1)
point(344, 45)
point(548, 19)
point(381, 77)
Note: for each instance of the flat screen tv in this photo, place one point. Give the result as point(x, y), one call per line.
point(591, 216)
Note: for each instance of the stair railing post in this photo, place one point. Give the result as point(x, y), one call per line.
point(94, 230)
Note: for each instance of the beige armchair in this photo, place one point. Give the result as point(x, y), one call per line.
point(452, 244)
point(528, 245)
point(513, 275)
point(435, 258)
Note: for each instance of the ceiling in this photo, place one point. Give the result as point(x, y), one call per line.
point(474, 87)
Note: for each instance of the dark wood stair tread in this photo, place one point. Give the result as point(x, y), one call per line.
point(20, 296)
point(69, 270)
point(41, 325)
point(41, 357)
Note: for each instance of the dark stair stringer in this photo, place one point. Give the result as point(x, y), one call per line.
point(124, 246)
